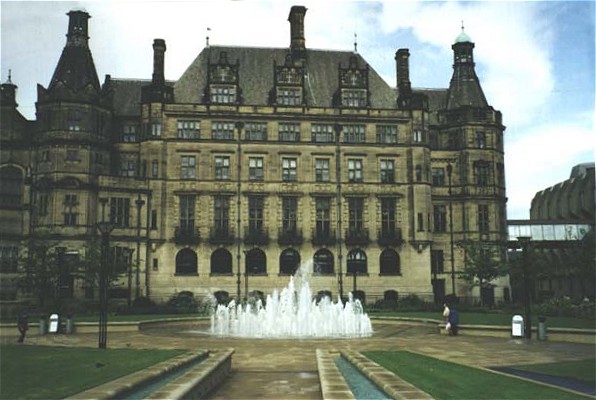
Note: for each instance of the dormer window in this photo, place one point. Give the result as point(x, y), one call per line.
point(289, 84)
point(223, 81)
point(353, 85)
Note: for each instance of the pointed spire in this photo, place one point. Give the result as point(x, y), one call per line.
point(207, 37)
point(8, 92)
point(462, 37)
point(9, 81)
point(355, 42)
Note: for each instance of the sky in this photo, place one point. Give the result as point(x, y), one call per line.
point(535, 59)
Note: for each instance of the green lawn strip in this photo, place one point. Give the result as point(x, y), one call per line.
point(475, 318)
point(445, 380)
point(584, 370)
point(44, 372)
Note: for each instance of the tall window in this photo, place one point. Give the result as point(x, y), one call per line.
point(187, 213)
point(387, 134)
point(290, 208)
point(480, 139)
point(70, 209)
point(120, 211)
point(255, 168)
point(188, 129)
point(288, 168)
point(322, 133)
point(438, 176)
point(357, 262)
point(9, 259)
point(482, 170)
point(353, 98)
point(221, 213)
point(74, 120)
point(322, 169)
point(356, 214)
point(42, 204)
point(440, 218)
point(156, 129)
point(129, 133)
point(256, 131)
point(188, 167)
point(222, 130)
point(420, 221)
point(255, 214)
point(154, 168)
point(483, 218)
point(418, 135)
point(11, 187)
point(389, 263)
point(323, 262)
point(354, 170)
point(222, 168)
point(387, 170)
point(289, 262)
point(323, 211)
point(128, 165)
point(289, 132)
point(437, 261)
point(387, 216)
point(354, 133)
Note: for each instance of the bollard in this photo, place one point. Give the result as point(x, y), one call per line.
point(42, 325)
point(541, 328)
point(69, 325)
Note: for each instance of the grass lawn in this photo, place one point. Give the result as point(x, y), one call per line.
point(445, 380)
point(43, 372)
point(472, 318)
point(584, 370)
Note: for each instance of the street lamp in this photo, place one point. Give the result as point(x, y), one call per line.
point(449, 171)
point(105, 228)
point(525, 242)
point(139, 202)
point(338, 129)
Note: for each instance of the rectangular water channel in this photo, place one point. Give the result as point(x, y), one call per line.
point(360, 385)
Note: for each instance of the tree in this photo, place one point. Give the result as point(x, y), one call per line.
point(91, 265)
point(39, 268)
point(483, 264)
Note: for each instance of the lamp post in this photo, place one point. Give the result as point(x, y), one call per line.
point(105, 228)
point(525, 242)
point(340, 278)
point(140, 203)
point(239, 126)
point(449, 172)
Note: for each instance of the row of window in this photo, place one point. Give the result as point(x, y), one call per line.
point(221, 261)
point(258, 131)
point(437, 222)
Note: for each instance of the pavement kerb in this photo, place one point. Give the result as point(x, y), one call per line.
point(333, 383)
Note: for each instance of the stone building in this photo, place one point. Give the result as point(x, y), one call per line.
point(255, 161)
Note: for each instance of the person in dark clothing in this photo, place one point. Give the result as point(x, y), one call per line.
point(23, 326)
point(453, 321)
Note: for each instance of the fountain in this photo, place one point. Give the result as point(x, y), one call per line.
point(292, 314)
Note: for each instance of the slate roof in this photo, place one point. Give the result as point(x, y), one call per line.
point(126, 94)
point(256, 68)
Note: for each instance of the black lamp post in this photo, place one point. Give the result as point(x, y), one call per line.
point(449, 172)
point(340, 278)
point(105, 228)
point(239, 126)
point(525, 242)
point(140, 203)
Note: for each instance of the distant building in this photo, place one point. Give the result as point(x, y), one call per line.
point(255, 161)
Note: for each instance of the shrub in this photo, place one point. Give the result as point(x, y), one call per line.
point(184, 302)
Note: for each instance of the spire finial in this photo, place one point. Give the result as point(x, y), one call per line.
point(9, 76)
point(355, 42)
point(462, 25)
point(207, 37)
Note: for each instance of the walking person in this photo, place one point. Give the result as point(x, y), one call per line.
point(453, 322)
point(23, 326)
point(446, 313)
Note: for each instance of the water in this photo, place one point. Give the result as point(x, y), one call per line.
point(359, 384)
point(292, 313)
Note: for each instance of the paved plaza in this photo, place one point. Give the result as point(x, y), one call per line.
point(287, 369)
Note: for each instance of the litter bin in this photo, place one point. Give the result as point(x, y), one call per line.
point(42, 325)
point(541, 328)
point(54, 323)
point(69, 324)
point(517, 326)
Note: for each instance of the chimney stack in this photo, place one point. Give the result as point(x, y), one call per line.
point(159, 51)
point(402, 65)
point(297, 43)
point(78, 32)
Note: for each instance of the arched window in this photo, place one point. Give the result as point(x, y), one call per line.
point(289, 261)
point(222, 297)
point(357, 262)
point(186, 262)
point(11, 190)
point(256, 262)
point(390, 295)
point(323, 262)
point(221, 262)
point(389, 261)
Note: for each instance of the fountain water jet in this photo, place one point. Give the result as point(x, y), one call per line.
point(292, 314)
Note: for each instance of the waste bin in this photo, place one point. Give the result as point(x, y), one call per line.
point(517, 326)
point(541, 328)
point(69, 324)
point(42, 325)
point(54, 323)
